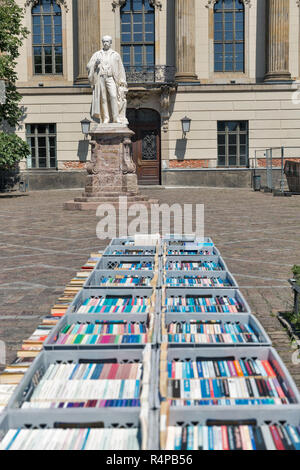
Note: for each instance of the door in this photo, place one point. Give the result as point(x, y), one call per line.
point(145, 123)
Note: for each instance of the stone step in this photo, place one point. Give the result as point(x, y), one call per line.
point(89, 206)
point(110, 199)
point(109, 194)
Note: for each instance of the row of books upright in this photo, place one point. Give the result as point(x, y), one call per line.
point(220, 380)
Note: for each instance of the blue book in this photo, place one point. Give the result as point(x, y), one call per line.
point(97, 372)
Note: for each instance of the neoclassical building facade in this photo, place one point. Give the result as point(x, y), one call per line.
point(230, 66)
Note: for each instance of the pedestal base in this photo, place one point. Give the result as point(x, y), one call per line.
point(111, 171)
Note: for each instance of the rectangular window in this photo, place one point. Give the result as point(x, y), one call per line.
point(138, 34)
point(47, 38)
point(233, 143)
point(41, 139)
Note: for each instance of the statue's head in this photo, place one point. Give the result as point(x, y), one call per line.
point(107, 42)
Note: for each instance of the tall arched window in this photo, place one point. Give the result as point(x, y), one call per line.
point(138, 33)
point(229, 36)
point(47, 38)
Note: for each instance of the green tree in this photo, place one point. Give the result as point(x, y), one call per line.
point(12, 33)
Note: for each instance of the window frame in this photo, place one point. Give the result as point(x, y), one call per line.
point(36, 135)
point(234, 42)
point(132, 43)
point(41, 14)
point(238, 133)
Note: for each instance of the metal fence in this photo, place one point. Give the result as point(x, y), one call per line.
point(274, 160)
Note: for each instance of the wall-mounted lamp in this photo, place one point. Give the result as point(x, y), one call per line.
point(186, 125)
point(85, 127)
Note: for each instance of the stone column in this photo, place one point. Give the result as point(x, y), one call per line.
point(89, 41)
point(278, 40)
point(185, 40)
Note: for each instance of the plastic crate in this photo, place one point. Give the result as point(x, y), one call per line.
point(190, 250)
point(261, 334)
point(137, 240)
point(50, 343)
point(189, 239)
point(263, 353)
point(38, 368)
point(94, 280)
point(87, 293)
point(112, 262)
point(195, 259)
point(117, 250)
point(196, 292)
point(223, 275)
point(218, 417)
point(108, 418)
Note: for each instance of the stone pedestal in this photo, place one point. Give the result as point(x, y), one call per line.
point(111, 173)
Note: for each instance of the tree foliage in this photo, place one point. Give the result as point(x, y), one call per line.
point(12, 150)
point(12, 34)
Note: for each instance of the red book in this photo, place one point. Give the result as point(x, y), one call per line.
point(113, 371)
point(276, 438)
point(105, 371)
point(225, 438)
point(211, 388)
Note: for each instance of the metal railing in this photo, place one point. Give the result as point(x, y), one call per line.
point(275, 158)
point(150, 74)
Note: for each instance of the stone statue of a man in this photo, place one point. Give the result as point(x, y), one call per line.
point(108, 79)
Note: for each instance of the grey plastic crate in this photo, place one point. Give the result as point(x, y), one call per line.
point(261, 334)
point(195, 259)
point(134, 241)
point(192, 292)
point(93, 282)
point(190, 239)
point(263, 353)
point(117, 250)
point(289, 415)
point(216, 417)
point(50, 343)
point(105, 417)
point(87, 293)
point(223, 275)
point(190, 251)
point(112, 262)
point(38, 368)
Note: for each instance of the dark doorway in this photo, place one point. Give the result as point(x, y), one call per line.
point(146, 124)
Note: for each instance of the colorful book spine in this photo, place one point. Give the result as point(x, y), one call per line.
point(103, 333)
point(197, 281)
point(235, 437)
point(243, 381)
point(135, 266)
point(203, 304)
point(87, 384)
point(193, 266)
point(125, 281)
point(209, 332)
point(71, 439)
point(112, 305)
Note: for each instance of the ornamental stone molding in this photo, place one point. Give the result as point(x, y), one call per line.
point(211, 3)
point(120, 3)
point(61, 3)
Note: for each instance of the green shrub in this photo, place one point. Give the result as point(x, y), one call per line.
point(12, 150)
point(296, 273)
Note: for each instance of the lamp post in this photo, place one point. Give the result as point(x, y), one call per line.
point(186, 125)
point(85, 127)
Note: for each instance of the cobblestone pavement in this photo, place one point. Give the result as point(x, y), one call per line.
point(42, 247)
